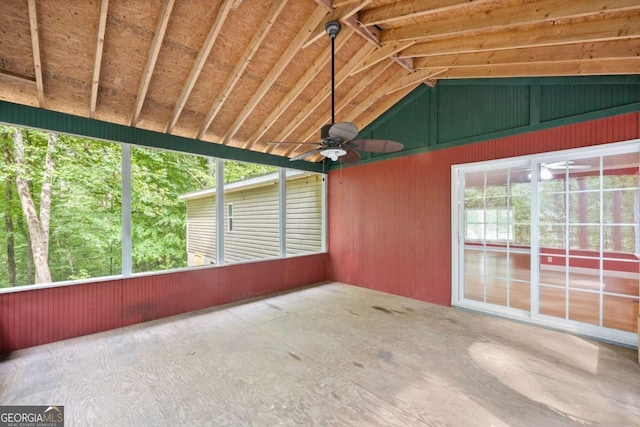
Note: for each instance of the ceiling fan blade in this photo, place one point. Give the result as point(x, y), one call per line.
point(352, 156)
point(344, 130)
point(377, 145)
point(565, 164)
point(307, 154)
point(294, 143)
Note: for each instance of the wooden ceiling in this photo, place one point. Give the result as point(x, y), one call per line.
point(244, 72)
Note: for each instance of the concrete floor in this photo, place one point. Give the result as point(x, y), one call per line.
point(329, 355)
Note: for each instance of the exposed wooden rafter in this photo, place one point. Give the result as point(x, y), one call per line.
point(97, 64)
point(318, 65)
point(201, 59)
point(322, 95)
point(540, 14)
point(626, 27)
point(370, 34)
point(35, 46)
point(294, 46)
point(337, 14)
point(245, 59)
point(408, 9)
point(152, 57)
point(367, 80)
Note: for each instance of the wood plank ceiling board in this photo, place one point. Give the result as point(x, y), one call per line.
point(238, 72)
point(17, 73)
point(97, 64)
point(152, 57)
point(203, 54)
point(241, 65)
point(35, 43)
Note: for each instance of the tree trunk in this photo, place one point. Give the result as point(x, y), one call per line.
point(38, 235)
point(8, 219)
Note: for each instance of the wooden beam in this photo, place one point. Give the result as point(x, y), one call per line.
point(520, 16)
point(370, 34)
point(365, 82)
point(337, 14)
point(201, 59)
point(292, 49)
point(323, 94)
point(35, 46)
point(549, 35)
point(420, 76)
point(628, 48)
point(152, 57)
point(302, 84)
point(381, 54)
point(252, 47)
point(374, 97)
point(559, 68)
point(9, 76)
point(409, 9)
point(97, 64)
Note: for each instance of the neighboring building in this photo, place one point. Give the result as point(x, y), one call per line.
point(251, 222)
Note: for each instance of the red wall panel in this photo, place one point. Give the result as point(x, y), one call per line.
point(390, 221)
point(39, 316)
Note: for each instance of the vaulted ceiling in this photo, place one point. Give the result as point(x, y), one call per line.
point(247, 72)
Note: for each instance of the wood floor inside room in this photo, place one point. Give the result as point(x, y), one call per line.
point(329, 355)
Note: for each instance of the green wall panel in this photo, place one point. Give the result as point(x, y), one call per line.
point(471, 110)
point(22, 115)
point(560, 101)
point(458, 112)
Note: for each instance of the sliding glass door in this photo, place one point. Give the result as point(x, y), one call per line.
point(554, 239)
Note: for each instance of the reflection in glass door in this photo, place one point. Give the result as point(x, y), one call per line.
point(588, 240)
point(554, 239)
point(496, 237)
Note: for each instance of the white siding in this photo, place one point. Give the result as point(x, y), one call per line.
point(255, 232)
point(304, 215)
point(201, 229)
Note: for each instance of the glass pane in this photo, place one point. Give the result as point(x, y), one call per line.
point(553, 270)
point(473, 287)
point(522, 234)
point(584, 307)
point(551, 208)
point(584, 174)
point(621, 238)
point(621, 277)
point(620, 313)
point(621, 171)
point(585, 274)
point(552, 236)
point(474, 262)
point(520, 295)
point(585, 237)
point(520, 266)
point(304, 212)
point(584, 207)
point(254, 191)
point(552, 301)
point(163, 184)
point(496, 262)
point(555, 184)
point(620, 206)
point(474, 185)
point(497, 291)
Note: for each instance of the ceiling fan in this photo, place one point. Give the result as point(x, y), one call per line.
point(337, 139)
point(565, 164)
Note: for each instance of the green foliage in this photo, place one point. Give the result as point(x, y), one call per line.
point(86, 209)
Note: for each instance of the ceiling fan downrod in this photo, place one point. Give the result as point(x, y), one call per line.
point(333, 28)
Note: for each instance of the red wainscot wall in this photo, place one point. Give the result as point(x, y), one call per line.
point(39, 316)
point(390, 221)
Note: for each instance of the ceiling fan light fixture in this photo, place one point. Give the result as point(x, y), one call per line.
point(333, 153)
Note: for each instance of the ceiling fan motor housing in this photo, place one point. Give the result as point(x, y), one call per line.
point(333, 28)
